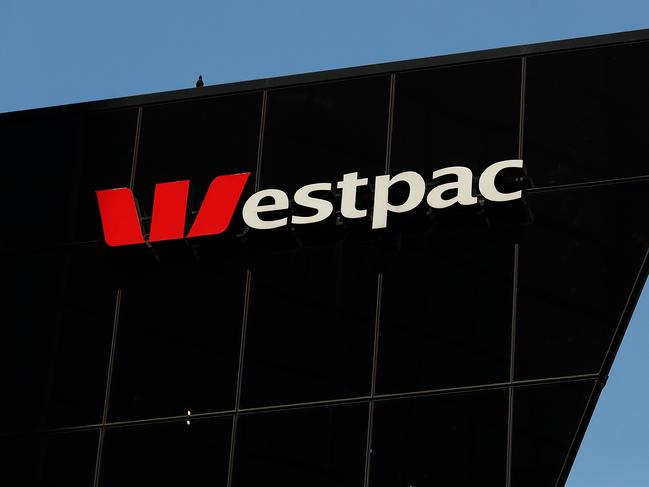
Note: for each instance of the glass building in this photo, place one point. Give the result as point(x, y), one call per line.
point(461, 346)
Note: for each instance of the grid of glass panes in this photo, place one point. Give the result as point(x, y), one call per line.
point(455, 348)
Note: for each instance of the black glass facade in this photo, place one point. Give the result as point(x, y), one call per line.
point(459, 347)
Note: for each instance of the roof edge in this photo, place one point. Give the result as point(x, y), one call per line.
point(600, 40)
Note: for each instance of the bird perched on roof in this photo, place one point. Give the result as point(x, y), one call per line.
point(199, 83)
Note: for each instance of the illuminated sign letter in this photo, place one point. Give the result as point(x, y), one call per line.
point(303, 197)
point(253, 207)
point(349, 185)
point(462, 187)
point(487, 183)
point(219, 204)
point(119, 217)
point(416, 190)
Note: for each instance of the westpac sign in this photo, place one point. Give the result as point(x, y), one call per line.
point(121, 221)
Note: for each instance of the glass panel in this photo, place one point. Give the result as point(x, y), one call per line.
point(310, 326)
point(109, 141)
point(178, 338)
point(312, 310)
point(585, 115)
point(546, 419)
point(41, 159)
point(317, 133)
point(431, 337)
point(459, 115)
point(171, 454)
point(463, 115)
point(318, 447)
point(57, 159)
point(578, 263)
point(57, 323)
point(454, 439)
point(198, 140)
point(49, 461)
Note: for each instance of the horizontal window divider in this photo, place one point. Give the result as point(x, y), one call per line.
point(587, 184)
point(487, 387)
point(305, 405)
point(315, 404)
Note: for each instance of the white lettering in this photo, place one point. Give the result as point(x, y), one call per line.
point(303, 197)
point(253, 207)
point(487, 183)
point(457, 191)
point(416, 190)
point(462, 188)
point(349, 185)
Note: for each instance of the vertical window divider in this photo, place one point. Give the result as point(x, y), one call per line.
point(512, 351)
point(104, 417)
point(379, 292)
point(118, 303)
point(246, 302)
point(136, 148)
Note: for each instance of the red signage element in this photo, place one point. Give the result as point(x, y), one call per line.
point(119, 217)
point(169, 210)
point(121, 223)
point(219, 205)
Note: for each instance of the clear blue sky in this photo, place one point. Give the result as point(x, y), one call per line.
point(64, 51)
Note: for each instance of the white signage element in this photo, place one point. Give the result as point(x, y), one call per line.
point(458, 191)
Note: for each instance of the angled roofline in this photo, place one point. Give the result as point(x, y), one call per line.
point(347, 73)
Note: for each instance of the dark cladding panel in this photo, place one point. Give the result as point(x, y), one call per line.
point(316, 133)
point(579, 260)
point(546, 419)
point(446, 311)
point(465, 115)
point(57, 320)
point(171, 454)
point(454, 439)
point(586, 115)
point(41, 160)
point(177, 347)
point(198, 141)
point(313, 299)
point(56, 162)
point(49, 461)
point(311, 325)
point(108, 155)
point(318, 447)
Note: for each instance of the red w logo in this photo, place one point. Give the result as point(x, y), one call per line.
point(121, 222)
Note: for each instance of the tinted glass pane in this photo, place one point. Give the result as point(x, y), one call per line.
point(49, 461)
point(41, 157)
point(312, 302)
point(460, 115)
point(585, 115)
point(578, 263)
point(319, 447)
point(57, 161)
point(317, 133)
point(178, 337)
point(454, 440)
point(197, 140)
point(57, 319)
point(194, 454)
point(311, 325)
point(446, 311)
point(546, 419)
point(109, 140)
